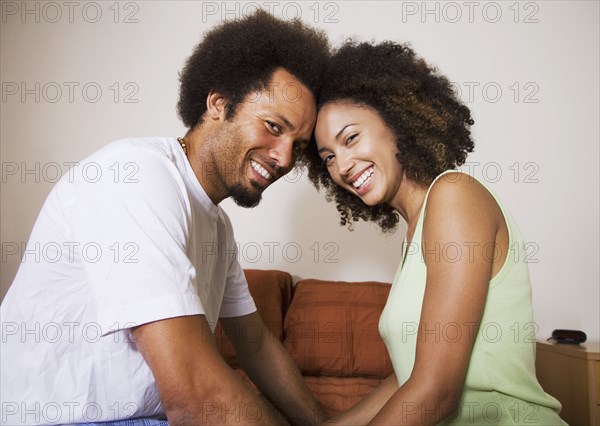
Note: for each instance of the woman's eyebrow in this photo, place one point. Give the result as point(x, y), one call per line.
point(343, 128)
point(337, 136)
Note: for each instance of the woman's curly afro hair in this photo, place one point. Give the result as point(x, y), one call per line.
point(239, 57)
point(431, 125)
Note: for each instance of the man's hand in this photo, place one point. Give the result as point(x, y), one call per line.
point(271, 368)
point(195, 383)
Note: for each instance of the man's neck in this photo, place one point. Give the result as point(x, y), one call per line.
point(200, 153)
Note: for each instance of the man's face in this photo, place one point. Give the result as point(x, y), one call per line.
point(264, 138)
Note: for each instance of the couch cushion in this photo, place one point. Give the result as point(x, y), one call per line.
point(271, 291)
point(331, 329)
point(337, 394)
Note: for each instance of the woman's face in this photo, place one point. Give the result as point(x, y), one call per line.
point(359, 150)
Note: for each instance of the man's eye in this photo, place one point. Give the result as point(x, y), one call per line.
point(274, 127)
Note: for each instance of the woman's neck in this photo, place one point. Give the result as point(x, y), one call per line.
point(408, 202)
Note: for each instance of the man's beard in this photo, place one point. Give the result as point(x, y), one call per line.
point(244, 198)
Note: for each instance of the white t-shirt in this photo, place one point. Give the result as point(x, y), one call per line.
point(127, 237)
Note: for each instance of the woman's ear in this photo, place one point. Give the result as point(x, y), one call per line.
point(216, 106)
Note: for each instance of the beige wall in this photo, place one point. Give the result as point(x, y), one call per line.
point(529, 72)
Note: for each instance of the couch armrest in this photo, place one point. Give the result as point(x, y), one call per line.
point(272, 292)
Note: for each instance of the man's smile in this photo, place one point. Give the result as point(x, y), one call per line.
point(260, 170)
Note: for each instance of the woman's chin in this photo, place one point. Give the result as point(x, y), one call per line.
point(368, 198)
point(371, 201)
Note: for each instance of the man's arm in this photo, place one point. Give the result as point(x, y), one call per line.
point(270, 367)
point(195, 383)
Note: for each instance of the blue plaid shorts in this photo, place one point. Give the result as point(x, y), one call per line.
point(130, 422)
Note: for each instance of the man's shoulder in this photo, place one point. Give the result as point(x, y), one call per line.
point(128, 160)
point(127, 168)
point(161, 146)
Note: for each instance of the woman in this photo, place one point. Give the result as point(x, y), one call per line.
point(389, 134)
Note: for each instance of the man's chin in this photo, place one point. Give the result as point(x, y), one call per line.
point(244, 198)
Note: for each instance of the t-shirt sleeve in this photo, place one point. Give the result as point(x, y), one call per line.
point(135, 226)
point(237, 300)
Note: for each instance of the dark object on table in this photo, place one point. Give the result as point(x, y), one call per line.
point(573, 337)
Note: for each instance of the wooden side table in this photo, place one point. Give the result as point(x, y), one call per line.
point(571, 373)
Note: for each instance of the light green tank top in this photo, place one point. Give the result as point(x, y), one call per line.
point(500, 386)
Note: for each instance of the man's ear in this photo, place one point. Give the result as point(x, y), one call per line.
point(216, 106)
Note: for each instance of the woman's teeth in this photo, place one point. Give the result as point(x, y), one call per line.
point(260, 169)
point(364, 178)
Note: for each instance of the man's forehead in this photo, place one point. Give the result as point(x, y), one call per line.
point(283, 90)
point(283, 76)
point(293, 108)
point(297, 118)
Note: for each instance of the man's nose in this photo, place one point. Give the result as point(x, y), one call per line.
point(282, 154)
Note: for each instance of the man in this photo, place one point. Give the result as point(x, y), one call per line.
point(116, 320)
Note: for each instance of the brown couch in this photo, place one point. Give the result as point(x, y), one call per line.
point(330, 330)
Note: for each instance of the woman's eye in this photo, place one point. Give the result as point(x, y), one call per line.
point(328, 159)
point(350, 138)
point(274, 127)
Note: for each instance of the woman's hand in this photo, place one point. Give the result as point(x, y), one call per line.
point(368, 407)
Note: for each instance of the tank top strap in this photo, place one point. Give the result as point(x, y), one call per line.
point(417, 236)
point(419, 227)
